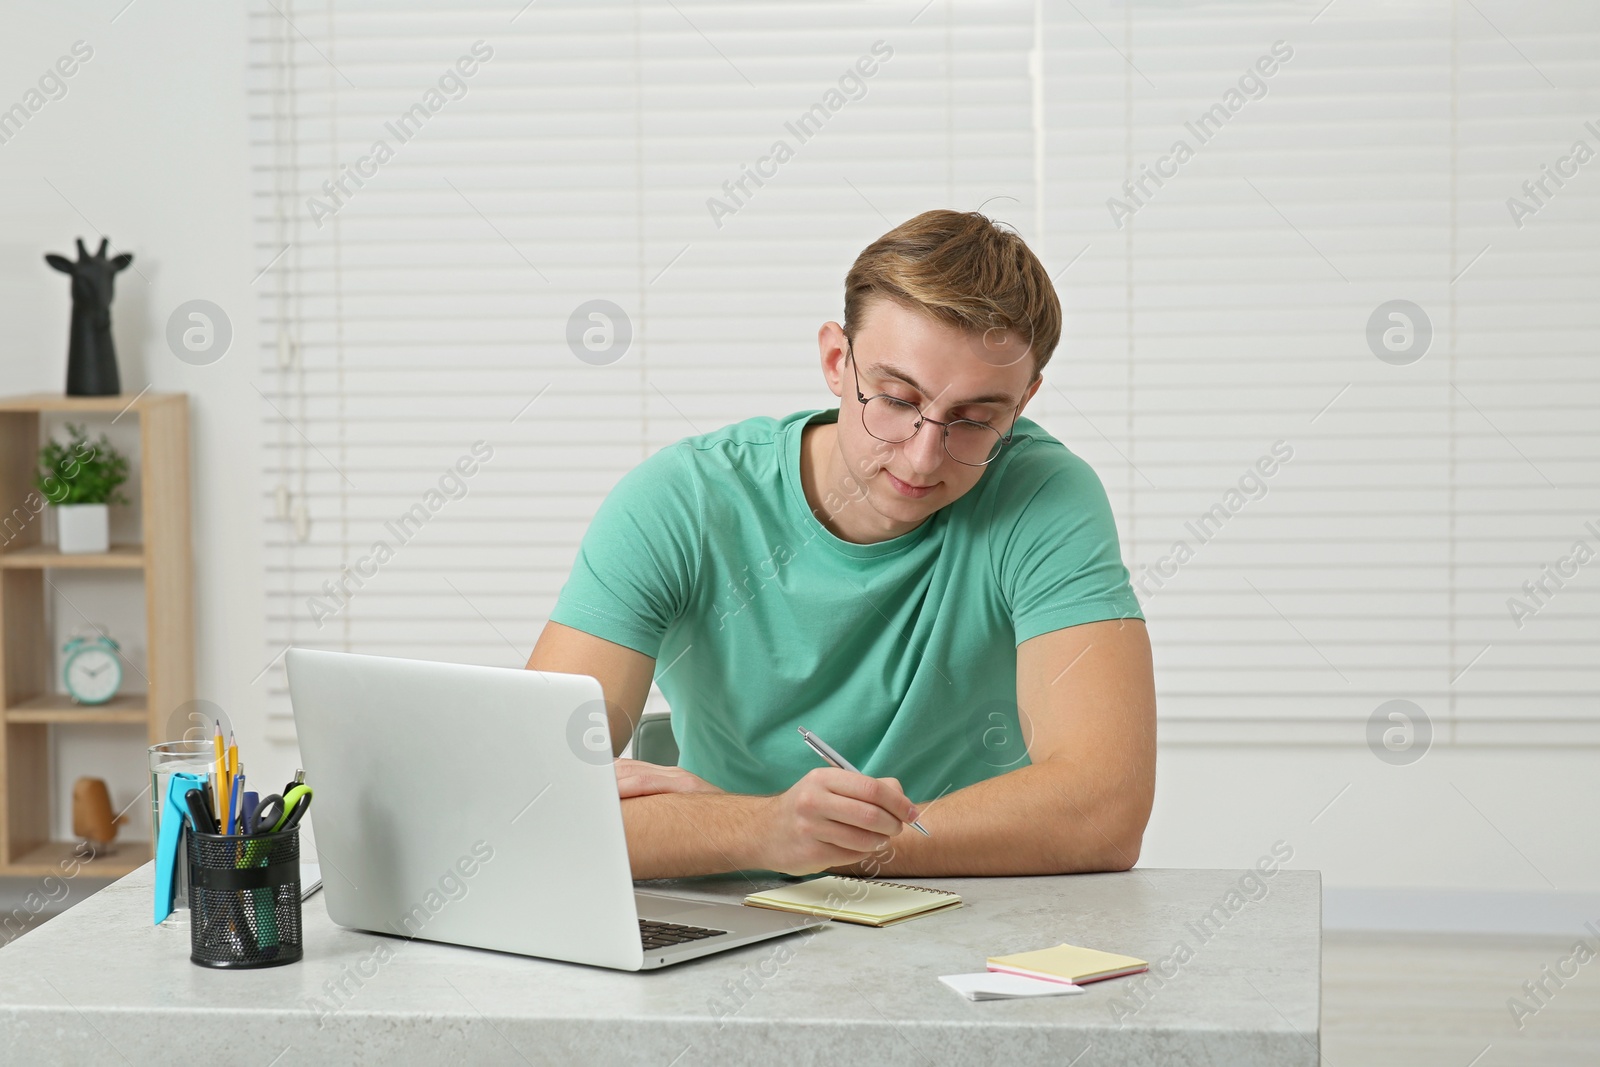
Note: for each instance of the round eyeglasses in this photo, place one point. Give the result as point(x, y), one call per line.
point(893, 421)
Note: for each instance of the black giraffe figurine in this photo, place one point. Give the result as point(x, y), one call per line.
point(91, 354)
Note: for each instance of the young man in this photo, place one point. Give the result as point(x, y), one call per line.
point(922, 577)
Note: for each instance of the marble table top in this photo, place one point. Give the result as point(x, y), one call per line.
point(1235, 980)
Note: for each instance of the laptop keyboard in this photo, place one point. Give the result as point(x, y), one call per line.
point(661, 935)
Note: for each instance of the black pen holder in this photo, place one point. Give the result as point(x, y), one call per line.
point(244, 899)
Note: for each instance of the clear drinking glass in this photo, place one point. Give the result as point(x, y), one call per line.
point(196, 757)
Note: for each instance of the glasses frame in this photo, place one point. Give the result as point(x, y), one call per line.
point(944, 436)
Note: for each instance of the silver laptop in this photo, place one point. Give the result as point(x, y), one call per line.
point(478, 806)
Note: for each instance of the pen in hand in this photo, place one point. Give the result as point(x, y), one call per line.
point(821, 748)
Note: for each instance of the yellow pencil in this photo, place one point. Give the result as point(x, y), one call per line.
point(222, 773)
point(233, 773)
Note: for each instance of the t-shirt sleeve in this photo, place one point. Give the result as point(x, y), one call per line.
point(1058, 560)
point(637, 563)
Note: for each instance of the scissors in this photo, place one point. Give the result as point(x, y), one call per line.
point(281, 812)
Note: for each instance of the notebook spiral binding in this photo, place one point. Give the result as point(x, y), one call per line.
point(900, 885)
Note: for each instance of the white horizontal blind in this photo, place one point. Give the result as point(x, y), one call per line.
point(430, 307)
point(1229, 312)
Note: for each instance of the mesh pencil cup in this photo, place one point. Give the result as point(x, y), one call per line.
point(244, 899)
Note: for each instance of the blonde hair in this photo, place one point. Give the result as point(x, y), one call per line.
point(964, 270)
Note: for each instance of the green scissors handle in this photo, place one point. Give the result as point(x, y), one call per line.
point(293, 800)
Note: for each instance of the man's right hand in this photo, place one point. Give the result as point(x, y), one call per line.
point(832, 818)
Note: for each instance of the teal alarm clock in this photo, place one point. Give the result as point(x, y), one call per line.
point(93, 670)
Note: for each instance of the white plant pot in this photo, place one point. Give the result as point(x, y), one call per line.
point(83, 527)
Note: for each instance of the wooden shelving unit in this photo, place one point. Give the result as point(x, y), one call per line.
point(52, 707)
point(37, 557)
point(30, 706)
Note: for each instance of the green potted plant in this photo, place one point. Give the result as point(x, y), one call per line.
point(80, 480)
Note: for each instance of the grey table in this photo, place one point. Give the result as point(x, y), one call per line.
point(1237, 987)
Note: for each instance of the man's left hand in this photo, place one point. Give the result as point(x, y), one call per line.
point(636, 778)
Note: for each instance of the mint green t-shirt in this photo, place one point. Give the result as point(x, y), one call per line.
point(901, 655)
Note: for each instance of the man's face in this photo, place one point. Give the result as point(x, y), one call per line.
point(949, 375)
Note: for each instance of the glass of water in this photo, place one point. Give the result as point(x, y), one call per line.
point(196, 757)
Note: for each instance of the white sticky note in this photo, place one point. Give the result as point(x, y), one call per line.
point(992, 985)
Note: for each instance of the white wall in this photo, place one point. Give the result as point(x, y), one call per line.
point(1499, 839)
point(149, 146)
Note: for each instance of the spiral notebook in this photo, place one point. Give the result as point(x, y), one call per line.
point(857, 900)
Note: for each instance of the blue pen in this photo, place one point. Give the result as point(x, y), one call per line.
point(233, 804)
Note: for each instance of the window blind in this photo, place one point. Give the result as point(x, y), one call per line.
point(506, 254)
point(1338, 162)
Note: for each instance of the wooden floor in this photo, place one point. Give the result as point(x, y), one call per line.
point(1425, 1000)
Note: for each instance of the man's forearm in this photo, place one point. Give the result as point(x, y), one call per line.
point(678, 835)
point(1046, 818)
